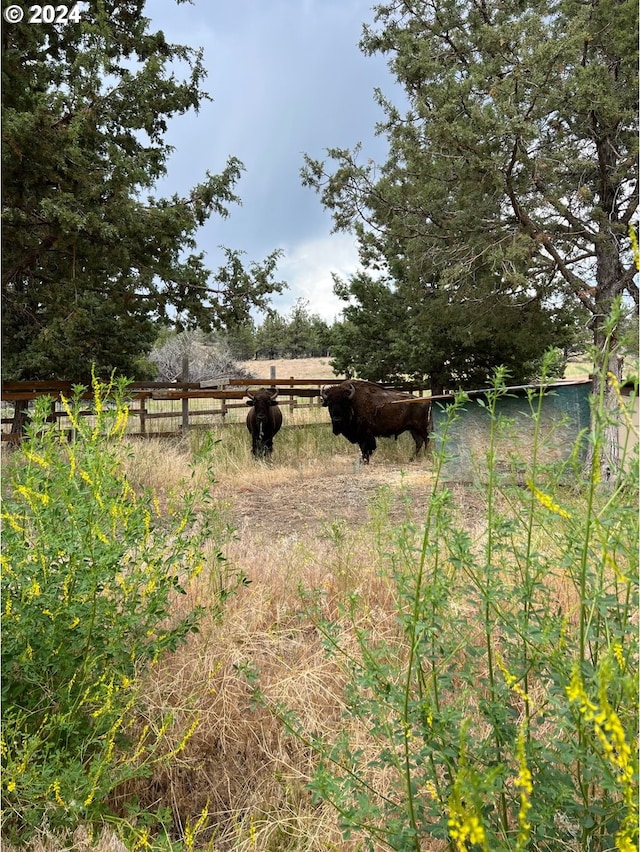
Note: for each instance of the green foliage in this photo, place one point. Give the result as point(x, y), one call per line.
point(91, 259)
point(503, 714)
point(503, 189)
point(239, 289)
point(438, 336)
point(299, 334)
point(91, 575)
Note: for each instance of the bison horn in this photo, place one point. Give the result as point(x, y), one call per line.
point(352, 390)
point(323, 391)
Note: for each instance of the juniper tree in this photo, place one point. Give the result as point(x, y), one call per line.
point(92, 259)
point(516, 160)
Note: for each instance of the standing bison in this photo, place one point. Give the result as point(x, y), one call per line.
point(363, 411)
point(263, 421)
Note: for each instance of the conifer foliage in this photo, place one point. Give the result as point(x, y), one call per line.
point(509, 187)
point(91, 257)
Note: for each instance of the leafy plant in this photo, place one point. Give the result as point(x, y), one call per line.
point(501, 714)
point(91, 576)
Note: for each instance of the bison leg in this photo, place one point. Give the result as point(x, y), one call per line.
point(262, 449)
point(421, 441)
point(367, 447)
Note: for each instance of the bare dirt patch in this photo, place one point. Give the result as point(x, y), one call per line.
point(308, 498)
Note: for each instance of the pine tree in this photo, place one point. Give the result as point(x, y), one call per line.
point(92, 260)
point(517, 157)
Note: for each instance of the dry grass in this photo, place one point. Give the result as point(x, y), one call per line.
point(287, 368)
point(318, 368)
point(300, 523)
point(297, 526)
point(313, 518)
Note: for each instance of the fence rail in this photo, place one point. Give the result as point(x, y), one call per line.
point(146, 398)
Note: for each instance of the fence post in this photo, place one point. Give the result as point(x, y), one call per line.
point(185, 400)
point(272, 375)
point(143, 415)
point(292, 401)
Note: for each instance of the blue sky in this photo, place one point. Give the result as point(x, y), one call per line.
point(286, 78)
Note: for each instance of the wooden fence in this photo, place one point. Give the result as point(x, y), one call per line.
point(146, 401)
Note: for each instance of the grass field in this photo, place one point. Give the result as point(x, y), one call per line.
point(330, 551)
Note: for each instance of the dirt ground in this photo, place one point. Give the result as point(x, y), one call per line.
point(340, 494)
point(306, 502)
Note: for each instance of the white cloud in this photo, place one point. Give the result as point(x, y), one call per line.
point(307, 268)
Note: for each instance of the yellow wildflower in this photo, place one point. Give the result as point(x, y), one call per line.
point(143, 840)
point(524, 784)
point(615, 748)
point(72, 463)
point(185, 739)
point(69, 412)
point(190, 834)
point(31, 496)
point(36, 459)
point(121, 421)
point(97, 393)
point(512, 681)
point(56, 792)
point(15, 526)
point(547, 501)
point(465, 825)
point(431, 790)
point(150, 586)
point(617, 653)
point(633, 237)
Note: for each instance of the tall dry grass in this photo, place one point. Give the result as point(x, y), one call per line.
point(318, 538)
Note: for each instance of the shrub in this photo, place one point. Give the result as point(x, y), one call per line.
point(89, 583)
point(503, 713)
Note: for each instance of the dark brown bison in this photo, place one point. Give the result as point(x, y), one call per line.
point(363, 411)
point(263, 421)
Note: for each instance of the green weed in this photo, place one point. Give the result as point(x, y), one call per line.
point(502, 714)
point(91, 574)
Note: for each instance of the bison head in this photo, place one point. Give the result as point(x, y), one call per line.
point(339, 400)
point(262, 400)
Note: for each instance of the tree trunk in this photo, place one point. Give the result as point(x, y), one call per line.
point(20, 416)
point(605, 415)
point(437, 383)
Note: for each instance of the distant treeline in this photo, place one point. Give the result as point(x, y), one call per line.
point(298, 334)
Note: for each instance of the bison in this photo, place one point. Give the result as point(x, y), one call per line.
point(363, 411)
point(263, 421)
